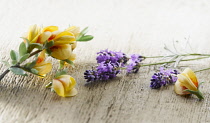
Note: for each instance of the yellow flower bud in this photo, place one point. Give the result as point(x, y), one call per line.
point(50, 29)
point(74, 45)
point(63, 38)
point(41, 66)
point(73, 29)
point(64, 86)
point(40, 35)
point(61, 52)
point(43, 37)
point(72, 57)
point(33, 33)
point(187, 80)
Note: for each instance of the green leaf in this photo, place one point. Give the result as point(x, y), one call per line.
point(33, 46)
point(6, 63)
point(27, 41)
point(70, 62)
point(22, 49)
point(85, 38)
point(84, 31)
point(59, 73)
point(197, 93)
point(36, 55)
point(14, 62)
point(61, 64)
point(14, 55)
point(26, 65)
point(18, 71)
point(24, 57)
point(49, 52)
point(200, 84)
point(34, 71)
point(30, 65)
point(45, 43)
point(49, 44)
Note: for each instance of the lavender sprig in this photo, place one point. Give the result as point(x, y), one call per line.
point(110, 63)
point(104, 71)
point(163, 78)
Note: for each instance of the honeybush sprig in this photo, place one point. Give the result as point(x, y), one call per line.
point(25, 52)
point(42, 42)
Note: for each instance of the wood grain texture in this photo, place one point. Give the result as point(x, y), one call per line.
point(132, 26)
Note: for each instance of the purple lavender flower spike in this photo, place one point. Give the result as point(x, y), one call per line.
point(111, 56)
point(110, 63)
point(91, 75)
point(107, 70)
point(163, 78)
point(134, 63)
point(104, 71)
point(156, 81)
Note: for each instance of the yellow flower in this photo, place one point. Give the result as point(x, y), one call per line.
point(187, 83)
point(61, 38)
point(72, 57)
point(50, 29)
point(64, 86)
point(73, 29)
point(41, 66)
point(51, 33)
point(74, 45)
point(37, 34)
point(33, 33)
point(47, 32)
point(61, 52)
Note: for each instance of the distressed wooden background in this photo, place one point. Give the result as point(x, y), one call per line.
point(132, 26)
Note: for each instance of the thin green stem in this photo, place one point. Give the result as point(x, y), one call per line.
point(49, 85)
point(34, 53)
point(202, 70)
point(190, 54)
point(173, 61)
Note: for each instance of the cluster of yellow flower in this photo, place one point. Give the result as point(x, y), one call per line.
point(64, 42)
